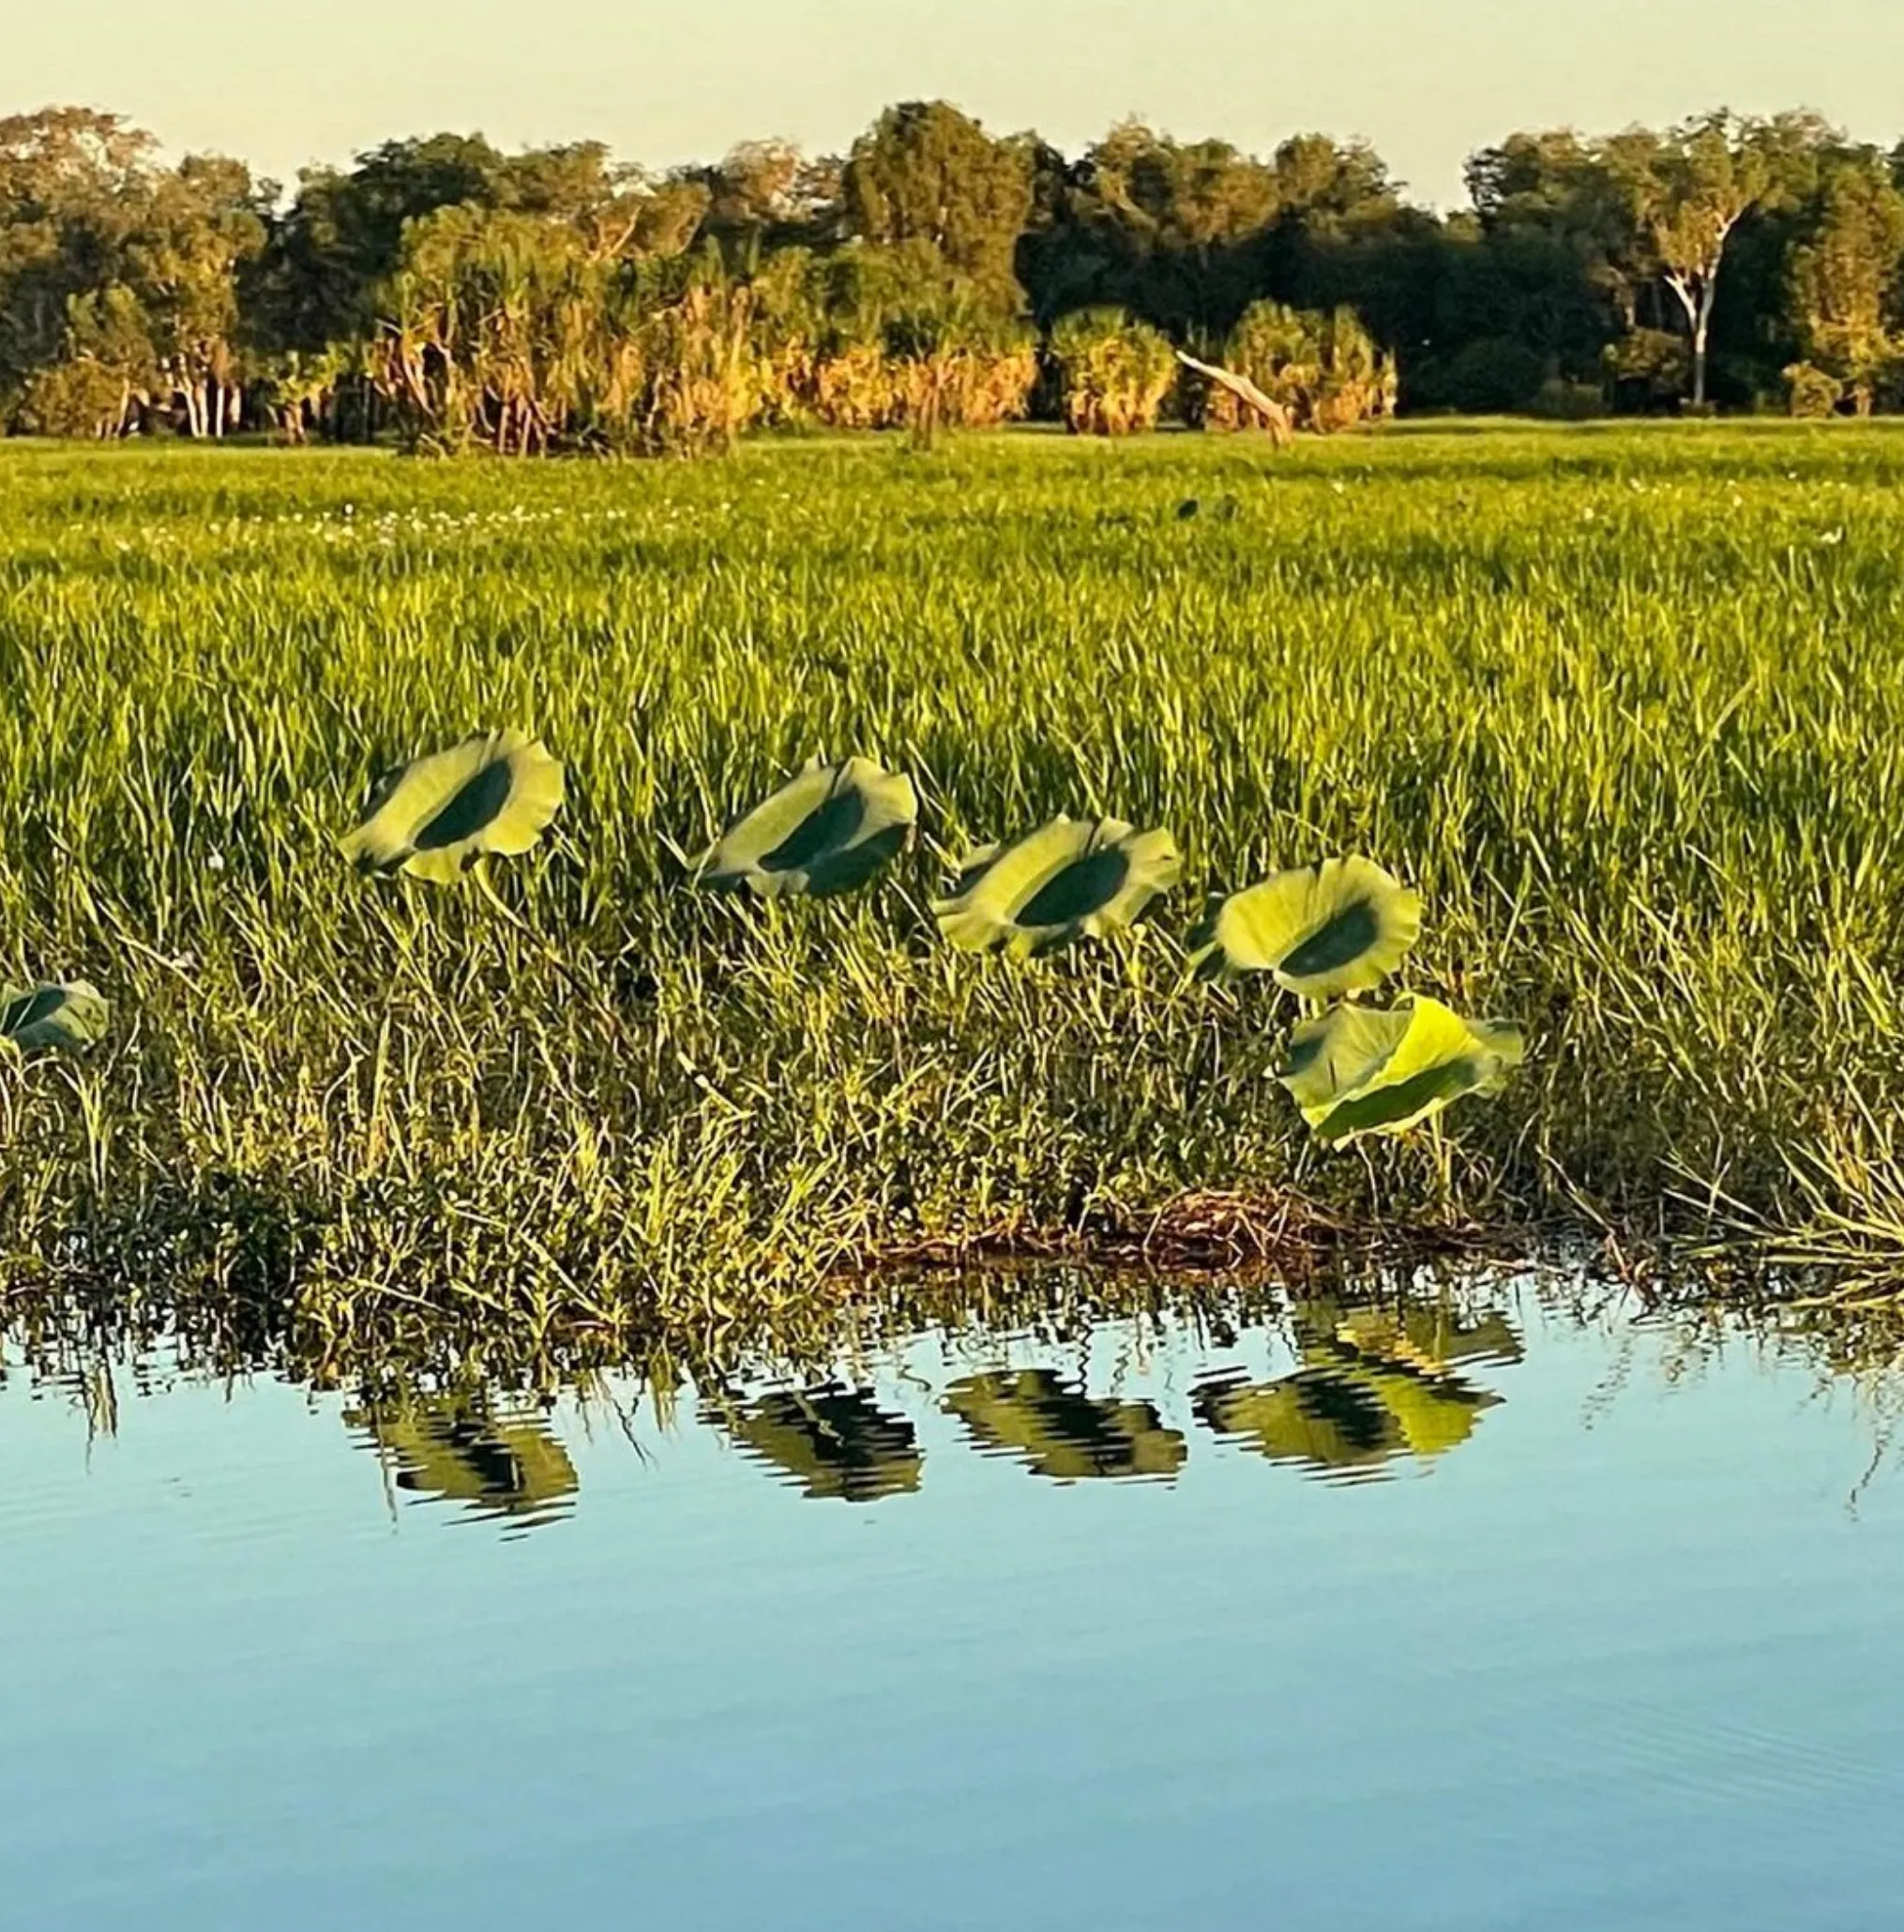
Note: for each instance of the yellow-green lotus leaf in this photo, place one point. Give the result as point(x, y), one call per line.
point(494, 792)
point(1383, 1070)
point(1337, 927)
point(826, 831)
point(1072, 877)
point(67, 1014)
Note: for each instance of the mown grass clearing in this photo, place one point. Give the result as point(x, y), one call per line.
point(1623, 703)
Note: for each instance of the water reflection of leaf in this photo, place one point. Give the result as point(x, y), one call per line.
point(452, 1448)
point(1375, 1385)
point(1312, 1416)
point(1059, 1431)
point(834, 1441)
point(1433, 1338)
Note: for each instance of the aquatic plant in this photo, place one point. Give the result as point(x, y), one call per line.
point(1337, 927)
point(1375, 1382)
point(1069, 878)
point(452, 1447)
point(826, 831)
point(494, 793)
point(1360, 1070)
point(71, 1015)
point(1339, 1412)
point(1326, 932)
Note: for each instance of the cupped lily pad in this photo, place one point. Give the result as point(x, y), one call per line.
point(69, 1014)
point(1373, 1070)
point(1072, 877)
point(826, 831)
point(1340, 926)
point(494, 792)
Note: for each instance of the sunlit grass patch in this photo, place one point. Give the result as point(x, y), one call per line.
point(1624, 706)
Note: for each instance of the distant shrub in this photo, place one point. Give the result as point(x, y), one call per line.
point(1116, 372)
point(888, 338)
point(77, 398)
point(1649, 368)
point(1325, 369)
point(1810, 391)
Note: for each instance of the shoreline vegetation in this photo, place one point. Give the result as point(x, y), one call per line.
point(1623, 706)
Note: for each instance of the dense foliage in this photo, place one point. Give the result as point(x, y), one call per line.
point(459, 296)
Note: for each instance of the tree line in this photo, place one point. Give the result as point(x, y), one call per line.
point(452, 295)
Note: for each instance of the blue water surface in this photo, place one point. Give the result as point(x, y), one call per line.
point(1626, 1654)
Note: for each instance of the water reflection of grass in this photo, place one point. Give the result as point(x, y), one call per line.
point(1034, 1367)
point(1615, 704)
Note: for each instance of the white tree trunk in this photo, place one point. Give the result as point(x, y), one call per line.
point(1700, 334)
point(1694, 301)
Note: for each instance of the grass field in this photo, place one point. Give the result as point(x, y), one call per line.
point(1627, 703)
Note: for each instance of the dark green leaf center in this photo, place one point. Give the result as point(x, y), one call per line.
point(823, 828)
point(1337, 943)
point(1086, 885)
point(32, 1009)
point(1406, 1097)
point(475, 803)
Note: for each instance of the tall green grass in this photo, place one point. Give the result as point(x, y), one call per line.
point(1626, 704)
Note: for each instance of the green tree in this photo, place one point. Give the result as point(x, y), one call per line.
point(763, 195)
point(1166, 228)
point(203, 222)
point(342, 233)
point(1182, 196)
point(119, 279)
point(1333, 188)
point(1344, 237)
point(1685, 193)
point(1845, 277)
point(925, 172)
point(71, 185)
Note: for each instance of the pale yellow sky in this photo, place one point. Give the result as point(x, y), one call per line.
point(1427, 80)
